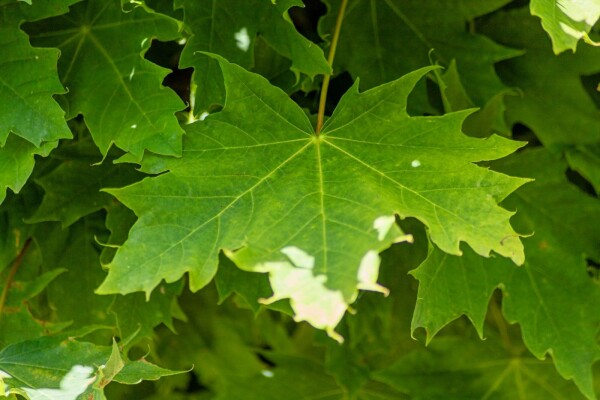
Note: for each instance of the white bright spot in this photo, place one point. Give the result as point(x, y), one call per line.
point(299, 257)
point(267, 374)
point(203, 116)
point(415, 163)
point(368, 272)
point(133, 126)
point(131, 73)
point(182, 41)
point(71, 386)
point(242, 40)
point(369, 267)
point(383, 224)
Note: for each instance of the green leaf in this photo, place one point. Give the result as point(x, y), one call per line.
point(71, 295)
point(250, 286)
point(34, 115)
point(254, 177)
point(43, 363)
point(452, 286)
point(586, 161)
point(554, 104)
point(459, 368)
point(72, 190)
point(382, 40)
point(17, 159)
point(230, 28)
point(19, 284)
point(106, 80)
point(138, 316)
point(542, 295)
point(54, 366)
point(566, 21)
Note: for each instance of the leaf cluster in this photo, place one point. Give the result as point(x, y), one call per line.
point(176, 221)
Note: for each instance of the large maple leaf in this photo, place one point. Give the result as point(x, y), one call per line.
point(312, 211)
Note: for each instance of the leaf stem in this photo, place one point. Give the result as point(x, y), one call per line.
point(330, 58)
point(500, 324)
point(11, 274)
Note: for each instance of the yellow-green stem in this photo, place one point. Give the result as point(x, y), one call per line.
point(11, 275)
point(330, 58)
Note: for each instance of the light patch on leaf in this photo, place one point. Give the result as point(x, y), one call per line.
point(242, 40)
point(310, 298)
point(368, 271)
point(299, 257)
point(382, 225)
point(415, 163)
point(267, 374)
point(72, 385)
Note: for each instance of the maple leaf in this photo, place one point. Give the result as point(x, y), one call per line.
point(463, 368)
point(39, 367)
point(560, 113)
point(35, 119)
point(541, 295)
point(566, 21)
point(110, 83)
point(381, 40)
point(254, 177)
point(35, 115)
point(230, 28)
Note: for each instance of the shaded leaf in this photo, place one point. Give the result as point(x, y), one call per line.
point(72, 190)
point(542, 295)
point(459, 368)
point(110, 83)
point(34, 116)
point(230, 28)
point(558, 110)
point(382, 40)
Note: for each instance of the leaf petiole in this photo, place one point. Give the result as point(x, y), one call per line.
point(11, 274)
point(330, 58)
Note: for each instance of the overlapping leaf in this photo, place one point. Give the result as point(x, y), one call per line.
point(38, 368)
point(381, 40)
point(28, 79)
point(230, 28)
point(72, 190)
point(254, 176)
point(558, 110)
point(542, 295)
point(110, 83)
point(566, 21)
point(460, 368)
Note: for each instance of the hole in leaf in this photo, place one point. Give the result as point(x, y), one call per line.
point(166, 54)
point(194, 385)
point(306, 19)
point(265, 360)
point(522, 132)
point(591, 84)
point(593, 269)
point(578, 180)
